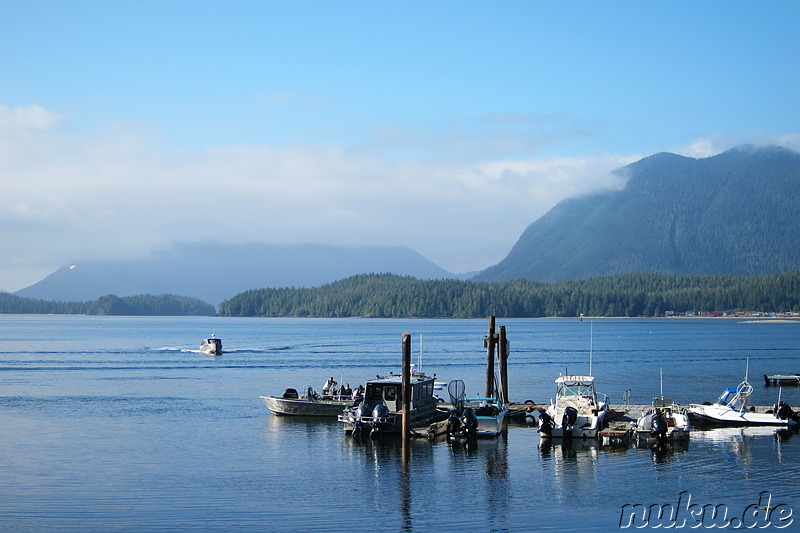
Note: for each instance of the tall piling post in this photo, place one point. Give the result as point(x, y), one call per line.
point(406, 391)
point(502, 361)
point(490, 344)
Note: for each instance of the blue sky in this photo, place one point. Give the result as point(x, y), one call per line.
point(446, 127)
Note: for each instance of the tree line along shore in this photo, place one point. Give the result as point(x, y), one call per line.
point(630, 295)
point(393, 296)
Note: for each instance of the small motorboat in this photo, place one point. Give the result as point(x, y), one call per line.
point(473, 417)
point(576, 412)
point(309, 404)
point(664, 420)
point(211, 345)
point(733, 408)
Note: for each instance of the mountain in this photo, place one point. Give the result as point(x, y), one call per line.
point(213, 272)
point(733, 213)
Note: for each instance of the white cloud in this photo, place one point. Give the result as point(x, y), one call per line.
point(120, 193)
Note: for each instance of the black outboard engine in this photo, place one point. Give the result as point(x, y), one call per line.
point(470, 422)
point(453, 426)
point(785, 412)
point(546, 424)
point(462, 427)
point(658, 425)
point(380, 411)
point(568, 421)
point(359, 426)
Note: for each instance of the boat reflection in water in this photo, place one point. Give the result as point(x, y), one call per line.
point(740, 441)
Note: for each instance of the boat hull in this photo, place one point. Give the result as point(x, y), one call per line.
point(714, 415)
point(305, 407)
point(491, 426)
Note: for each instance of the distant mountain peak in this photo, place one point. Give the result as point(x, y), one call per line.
point(732, 213)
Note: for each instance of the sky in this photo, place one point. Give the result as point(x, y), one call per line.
point(446, 127)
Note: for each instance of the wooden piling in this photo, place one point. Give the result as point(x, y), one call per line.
point(406, 377)
point(502, 360)
point(490, 343)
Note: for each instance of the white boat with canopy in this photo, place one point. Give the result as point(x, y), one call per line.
point(577, 410)
point(733, 408)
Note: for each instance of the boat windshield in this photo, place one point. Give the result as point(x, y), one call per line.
point(732, 399)
point(569, 391)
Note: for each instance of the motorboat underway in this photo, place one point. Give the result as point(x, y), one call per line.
point(211, 345)
point(576, 412)
point(664, 420)
point(309, 404)
point(381, 411)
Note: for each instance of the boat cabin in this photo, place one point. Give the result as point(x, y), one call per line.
point(388, 391)
point(574, 387)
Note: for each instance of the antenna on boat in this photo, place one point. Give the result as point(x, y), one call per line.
point(591, 344)
point(420, 352)
point(661, 379)
point(746, 368)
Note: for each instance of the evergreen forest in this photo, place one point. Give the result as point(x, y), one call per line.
point(629, 295)
point(140, 305)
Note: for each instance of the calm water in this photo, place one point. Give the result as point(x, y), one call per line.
point(115, 424)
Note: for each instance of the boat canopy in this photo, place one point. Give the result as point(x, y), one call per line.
point(574, 379)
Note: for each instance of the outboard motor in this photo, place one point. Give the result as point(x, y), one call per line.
point(658, 425)
point(361, 412)
point(470, 422)
point(785, 412)
point(380, 411)
point(453, 426)
point(568, 420)
point(546, 424)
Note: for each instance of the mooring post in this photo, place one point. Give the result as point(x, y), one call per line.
point(490, 343)
point(502, 360)
point(406, 385)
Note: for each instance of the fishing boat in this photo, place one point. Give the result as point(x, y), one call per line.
point(490, 413)
point(664, 420)
point(733, 408)
point(781, 379)
point(576, 412)
point(473, 417)
point(211, 345)
point(381, 411)
point(309, 404)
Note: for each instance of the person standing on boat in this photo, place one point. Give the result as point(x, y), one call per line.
point(328, 388)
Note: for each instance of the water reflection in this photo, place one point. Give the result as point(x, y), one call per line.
point(739, 442)
point(572, 464)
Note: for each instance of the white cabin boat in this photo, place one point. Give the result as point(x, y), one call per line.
point(576, 412)
point(211, 346)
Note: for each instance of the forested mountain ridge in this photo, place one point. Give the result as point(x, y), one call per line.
point(647, 295)
point(734, 213)
point(139, 305)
